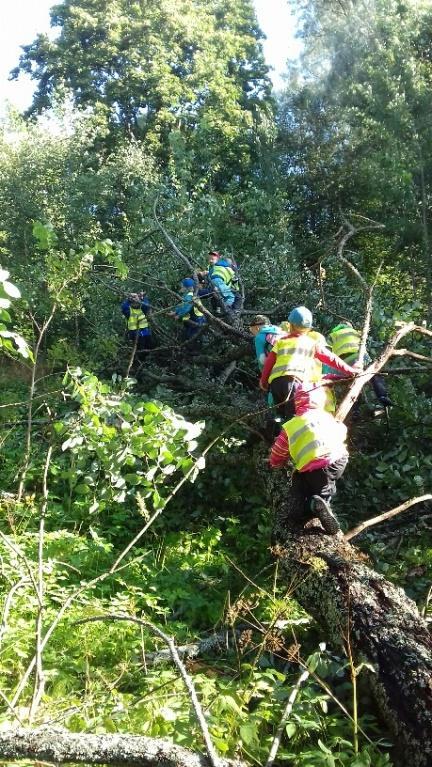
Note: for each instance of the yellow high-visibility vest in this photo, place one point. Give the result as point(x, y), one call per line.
point(225, 273)
point(314, 435)
point(330, 397)
point(316, 369)
point(294, 357)
point(345, 341)
point(137, 319)
point(195, 311)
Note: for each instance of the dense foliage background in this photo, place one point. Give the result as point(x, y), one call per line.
point(170, 104)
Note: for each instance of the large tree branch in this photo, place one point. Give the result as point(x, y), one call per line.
point(376, 366)
point(58, 746)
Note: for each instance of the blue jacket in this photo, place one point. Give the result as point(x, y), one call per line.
point(145, 308)
point(187, 307)
point(264, 342)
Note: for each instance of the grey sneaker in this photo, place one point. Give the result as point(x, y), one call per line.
point(325, 515)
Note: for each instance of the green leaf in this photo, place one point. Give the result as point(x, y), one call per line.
point(11, 290)
point(324, 747)
point(313, 661)
point(249, 734)
point(82, 489)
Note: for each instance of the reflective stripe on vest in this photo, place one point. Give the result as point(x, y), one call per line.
point(312, 436)
point(195, 313)
point(345, 341)
point(137, 319)
point(294, 357)
point(224, 273)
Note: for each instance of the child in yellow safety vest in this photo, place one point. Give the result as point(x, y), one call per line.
point(315, 443)
point(135, 308)
point(188, 311)
point(293, 360)
point(223, 278)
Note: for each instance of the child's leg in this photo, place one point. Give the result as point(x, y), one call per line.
point(299, 489)
point(332, 473)
point(321, 484)
point(283, 390)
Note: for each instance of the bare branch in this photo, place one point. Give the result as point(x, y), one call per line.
point(414, 355)
point(368, 316)
point(39, 684)
point(304, 676)
point(115, 567)
point(26, 461)
point(387, 515)
point(223, 378)
point(20, 554)
point(224, 325)
point(133, 353)
point(170, 240)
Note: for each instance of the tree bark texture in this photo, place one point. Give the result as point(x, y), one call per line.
point(334, 583)
point(59, 746)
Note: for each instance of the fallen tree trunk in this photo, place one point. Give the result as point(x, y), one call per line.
point(356, 605)
point(59, 746)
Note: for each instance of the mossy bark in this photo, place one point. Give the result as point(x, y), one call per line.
point(355, 604)
point(58, 746)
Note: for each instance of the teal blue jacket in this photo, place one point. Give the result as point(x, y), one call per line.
point(264, 341)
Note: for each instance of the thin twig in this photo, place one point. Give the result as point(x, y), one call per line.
point(170, 240)
point(10, 707)
point(115, 567)
point(387, 515)
point(368, 316)
point(353, 675)
point(42, 331)
point(39, 683)
point(414, 355)
point(133, 353)
point(304, 676)
point(17, 551)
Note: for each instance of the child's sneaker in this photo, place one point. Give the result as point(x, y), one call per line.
point(325, 515)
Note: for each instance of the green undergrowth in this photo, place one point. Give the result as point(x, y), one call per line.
point(202, 567)
point(101, 677)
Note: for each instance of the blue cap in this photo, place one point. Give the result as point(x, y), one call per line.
point(301, 317)
point(188, 282)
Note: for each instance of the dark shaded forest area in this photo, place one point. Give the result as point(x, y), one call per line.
point(160, 604)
